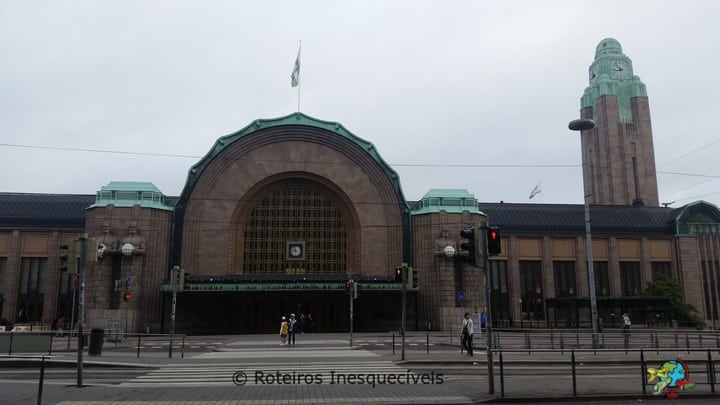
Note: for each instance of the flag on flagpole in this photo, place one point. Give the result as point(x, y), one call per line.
point(535, 191)
point(295, 76)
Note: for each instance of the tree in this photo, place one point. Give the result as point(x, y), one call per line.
point(666, 287)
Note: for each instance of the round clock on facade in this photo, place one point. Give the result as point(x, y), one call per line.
point(295, 250)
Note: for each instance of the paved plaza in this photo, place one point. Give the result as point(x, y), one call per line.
point(322, 369)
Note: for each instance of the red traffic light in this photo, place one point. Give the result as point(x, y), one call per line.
point(493, 242)
point(127, 297)
point(398, 273)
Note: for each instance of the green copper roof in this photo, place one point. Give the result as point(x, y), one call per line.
point(448, 200)
point(699, 217)
point(129, 194)
point(612, 74)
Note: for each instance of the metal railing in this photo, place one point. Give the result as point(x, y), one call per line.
point(707, 363)
point(45, 342)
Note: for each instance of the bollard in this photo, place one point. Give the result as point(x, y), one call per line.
point(710, 371)
point(687, 342)
point(574, 376)
point(42, 378)
point(552, 341)
point(528, 345)
point(427, 342)
point(577, 339)
point(182, 348)
point(138, 346)
point(626, 342)
point(502, 376)
point(700, 344)
point(657, 344)
point(393, 343)
point(594, 343)
point(643, 378)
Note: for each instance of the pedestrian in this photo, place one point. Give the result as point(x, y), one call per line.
point(291, 330)
point(310, 323)
point(626, 323)
point(283, 331)
point(303, 321)
point(483, 323)
point(467, 334)
point(60, 326)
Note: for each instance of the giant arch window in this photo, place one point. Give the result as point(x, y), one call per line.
point(295, 215)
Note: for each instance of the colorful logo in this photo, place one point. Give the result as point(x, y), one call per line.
point(672, 377)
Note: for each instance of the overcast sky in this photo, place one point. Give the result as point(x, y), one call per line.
point(432, 84)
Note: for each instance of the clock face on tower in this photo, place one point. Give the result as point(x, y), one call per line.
point(593, 75)
point(295, 250)
point(620, 69)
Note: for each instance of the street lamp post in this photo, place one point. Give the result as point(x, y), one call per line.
point(585, 125)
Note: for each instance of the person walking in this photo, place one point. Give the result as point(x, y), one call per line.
point(626, 323)
point(467, 334)
point(291, 330)
point(283, 331)
point(483, 322)
point(60, 326)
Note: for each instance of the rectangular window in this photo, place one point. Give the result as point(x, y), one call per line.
point(500, 294)
point(602, 279)
point(564, 278)
point(531, 290)
point(660, 269)
point(33, 271)
point(629, 278)
point(4, 287)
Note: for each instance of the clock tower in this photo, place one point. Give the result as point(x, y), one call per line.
point(619, 152)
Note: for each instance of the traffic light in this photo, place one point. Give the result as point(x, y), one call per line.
point(398, 274)
point(415, 283)
point(181, 280)
point(68, 258)
point(493, 241)
point(351, 287)
point(469, 246)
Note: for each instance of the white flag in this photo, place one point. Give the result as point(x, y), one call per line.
point(295, 76)
point(535, 192)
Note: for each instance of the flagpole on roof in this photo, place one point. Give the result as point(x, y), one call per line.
point(295, 76)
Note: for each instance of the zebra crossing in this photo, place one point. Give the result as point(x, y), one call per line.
point(390, 342)
point(306, 367)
